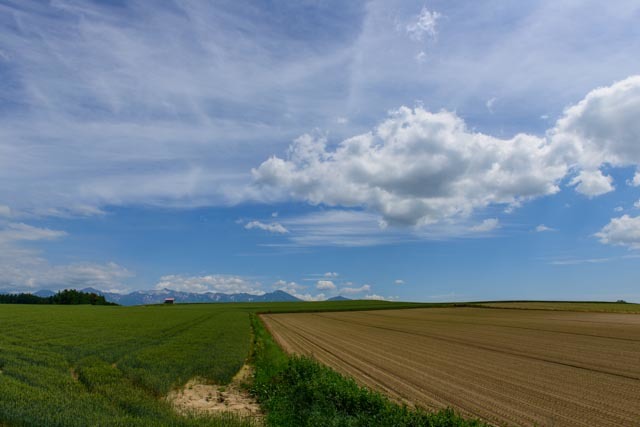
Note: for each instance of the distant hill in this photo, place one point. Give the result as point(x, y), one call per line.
point(339, 298)
point(45, 293)
point(158, 296)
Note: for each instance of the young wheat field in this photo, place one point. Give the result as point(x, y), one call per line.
point(88, 365)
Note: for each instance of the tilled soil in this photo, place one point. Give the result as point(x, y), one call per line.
point(513, 367)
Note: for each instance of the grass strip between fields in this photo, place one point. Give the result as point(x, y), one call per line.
point(298, 391)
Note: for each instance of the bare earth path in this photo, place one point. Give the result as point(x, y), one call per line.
point(200, 396)
point(509, 367)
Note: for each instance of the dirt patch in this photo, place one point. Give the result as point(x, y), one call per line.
point(198, 396)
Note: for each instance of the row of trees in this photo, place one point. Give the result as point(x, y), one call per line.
point(66, 297)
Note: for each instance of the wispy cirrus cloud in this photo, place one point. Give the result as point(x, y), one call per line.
point(172, 100)
point(578, 261)
point(15, 232)
point(175, 139)
point(338, 228)
point(423, 25)
point(486, 225)
point(126, 92)
point(352, 290)
point(23, 268)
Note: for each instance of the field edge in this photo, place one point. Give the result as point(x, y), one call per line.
point(299, 391)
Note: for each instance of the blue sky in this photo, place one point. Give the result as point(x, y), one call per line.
point(423, 151)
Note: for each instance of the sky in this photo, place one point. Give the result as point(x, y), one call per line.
point(401, 150)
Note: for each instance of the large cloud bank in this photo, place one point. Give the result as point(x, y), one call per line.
point(419, 167)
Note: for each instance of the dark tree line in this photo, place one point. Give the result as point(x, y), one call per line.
point(66, 297)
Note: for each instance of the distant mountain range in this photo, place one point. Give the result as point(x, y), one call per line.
point(158, 296)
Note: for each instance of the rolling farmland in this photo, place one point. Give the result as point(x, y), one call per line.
point(523, 367)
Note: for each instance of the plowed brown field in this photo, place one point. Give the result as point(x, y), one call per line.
point(508, 367)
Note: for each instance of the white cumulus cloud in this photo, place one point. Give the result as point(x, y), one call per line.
point(422, 168)
point(398, 282)
point(416, 167)
point(623, 231)
point(309, 297)
point(541, 228)
point(325, 285)
point(273, 227)
point(209, 283)
point(603, 128)
point(593, 183)
point(297, 291)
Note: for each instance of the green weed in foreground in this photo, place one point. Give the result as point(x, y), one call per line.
point(297, 392)
point(110, 366)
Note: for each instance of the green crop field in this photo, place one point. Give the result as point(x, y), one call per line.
point(91, 365)
point(87, 365)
